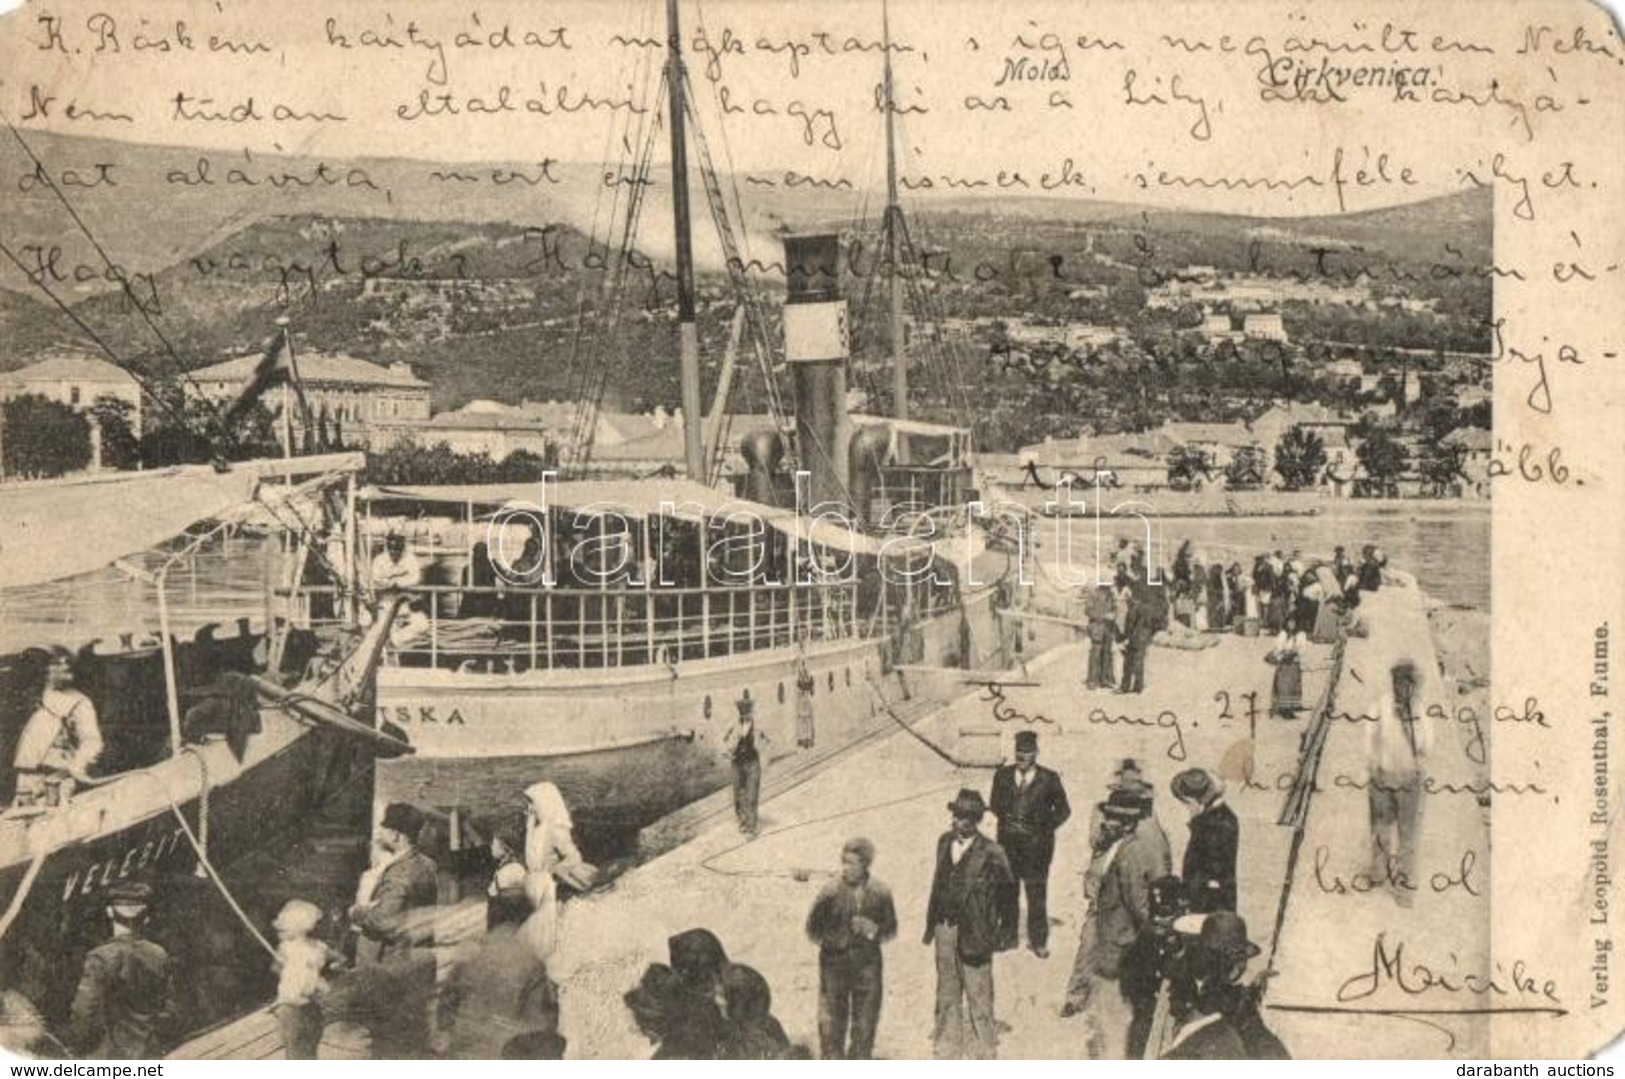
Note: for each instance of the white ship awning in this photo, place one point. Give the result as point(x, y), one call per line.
point(643, 498)
point(828, 533)
point(54, 529)
point(680, 499)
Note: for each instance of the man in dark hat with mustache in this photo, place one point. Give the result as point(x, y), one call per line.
point(125, 1006)
point(393, 915)
point(1118, 884)
point(1221, 1020)
point(1031, 805)
point(404, 882)
point(971, 915)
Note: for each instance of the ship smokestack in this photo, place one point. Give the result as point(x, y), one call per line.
point(816, 345)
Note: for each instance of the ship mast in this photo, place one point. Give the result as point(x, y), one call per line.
point(893, 230)
point(688, 331)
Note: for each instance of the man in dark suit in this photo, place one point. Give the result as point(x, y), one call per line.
point(393, 913)
point(1221, 1020)
point(1210, 855)
point(971, 915)
point(1031, 804)
point(406, 881)
point(1147, 615)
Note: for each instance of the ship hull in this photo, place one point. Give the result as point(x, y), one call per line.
point(627, 746)
point(263, 802)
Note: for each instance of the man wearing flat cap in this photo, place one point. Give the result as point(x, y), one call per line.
point(849, 921)
point(971, 915)
point(403, 882)
point(125, 1006)
point(1031, 805)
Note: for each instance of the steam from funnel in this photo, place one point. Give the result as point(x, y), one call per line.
point(869, 447)
point(764, 454)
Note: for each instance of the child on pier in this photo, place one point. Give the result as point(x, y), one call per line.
point(301, 960)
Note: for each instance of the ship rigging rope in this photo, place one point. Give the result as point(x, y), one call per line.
point(20, 896)
point(201, 848)
point(582, 366)
point(593, 370)
point(160, 399)
point(43, 174)
point(597, 367)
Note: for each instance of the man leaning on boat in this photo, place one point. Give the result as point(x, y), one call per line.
point(61, 740)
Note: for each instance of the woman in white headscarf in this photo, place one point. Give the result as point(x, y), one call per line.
point(549, 847)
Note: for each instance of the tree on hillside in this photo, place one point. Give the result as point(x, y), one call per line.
point(1188, 466)
point(1442, 465)
point(406, 463)
point(187, 430)
point(120, 446)
point(1384, 461)
point(1246, 469)
point(44, 438)
point(1299, 458)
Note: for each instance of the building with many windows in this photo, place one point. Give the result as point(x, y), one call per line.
point(353, 396)
point(486, 427)
point(77, 381)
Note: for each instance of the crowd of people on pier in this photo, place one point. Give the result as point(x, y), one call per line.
point(1160, 963)
point(1186, 605)
point(1159, 968)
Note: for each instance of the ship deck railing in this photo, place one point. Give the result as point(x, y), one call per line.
point(516, 629)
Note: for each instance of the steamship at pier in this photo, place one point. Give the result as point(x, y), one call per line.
point(611, 653)
point(657, 605)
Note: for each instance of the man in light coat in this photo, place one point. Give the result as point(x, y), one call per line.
point(1397, 744)
point(1118, 885)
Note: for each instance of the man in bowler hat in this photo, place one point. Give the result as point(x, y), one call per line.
point(125, 1005)
point(1031, 805)
point(1221, 1018)
point(971, 915)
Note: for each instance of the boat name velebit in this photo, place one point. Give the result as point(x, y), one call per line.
point(102, 873)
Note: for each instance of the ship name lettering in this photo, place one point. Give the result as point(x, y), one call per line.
point(135, 858)
point(425, 714)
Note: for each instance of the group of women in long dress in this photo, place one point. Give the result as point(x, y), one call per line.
point(1299, 601)
point(502, 998)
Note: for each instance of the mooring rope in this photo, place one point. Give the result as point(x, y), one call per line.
point(200, 845)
